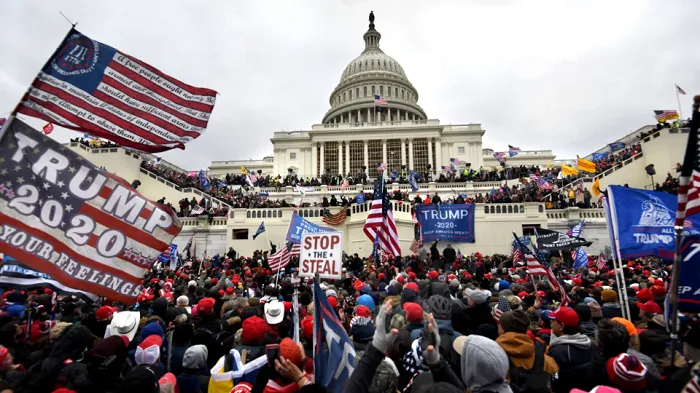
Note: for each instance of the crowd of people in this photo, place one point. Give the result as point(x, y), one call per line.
point(94, 142)
point(433, 321)
point(616, 158)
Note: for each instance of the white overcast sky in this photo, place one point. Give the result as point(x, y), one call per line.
point(563, 75)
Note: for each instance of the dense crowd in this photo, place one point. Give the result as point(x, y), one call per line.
point(615, 159)
point(434, 321)
point(94, 142)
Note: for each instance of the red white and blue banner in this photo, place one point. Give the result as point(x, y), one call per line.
point(84, 227)
point(91, 87)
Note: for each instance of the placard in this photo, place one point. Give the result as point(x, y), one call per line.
point(321, 253)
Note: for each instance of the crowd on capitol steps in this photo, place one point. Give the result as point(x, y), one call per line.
point(437, 321)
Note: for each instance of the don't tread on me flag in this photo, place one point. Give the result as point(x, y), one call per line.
point(63, 216)
point(91, 87)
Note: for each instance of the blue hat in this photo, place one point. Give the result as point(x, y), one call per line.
point(151, 329)
point(366, 289)
point(367, 301)
point(503, 284)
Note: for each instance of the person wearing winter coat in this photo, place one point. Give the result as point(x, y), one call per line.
point(569, 348)
point(195, 374)
point(519, 347)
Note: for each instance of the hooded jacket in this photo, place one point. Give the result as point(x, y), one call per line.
point(571, 350)
point(484, 366)
point(195, 374)
point(521, 351)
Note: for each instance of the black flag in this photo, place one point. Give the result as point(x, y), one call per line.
point(553, 240)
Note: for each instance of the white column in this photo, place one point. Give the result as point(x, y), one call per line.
point(340, 157)
point(347, 157)
point(323, 158)
point(314, 168)
point(384, 151)
point(406, 115)
point(403, 151)
point(366, 157)
point(358, 117)
point(414, 116)
point(430, 152)
point(369, 119)
point(410, 154)
point(438, 155)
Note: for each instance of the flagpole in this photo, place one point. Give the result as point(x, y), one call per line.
point(678, 99)
point(674, 292)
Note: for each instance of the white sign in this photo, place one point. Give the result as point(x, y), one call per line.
point(321, 253)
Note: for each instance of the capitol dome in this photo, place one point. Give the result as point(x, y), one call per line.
point(373, 73)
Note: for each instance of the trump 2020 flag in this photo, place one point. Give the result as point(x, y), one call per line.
point(334, 354)
point(91, 87)
point(63, 216)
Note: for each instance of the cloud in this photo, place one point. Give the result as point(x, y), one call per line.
point(567, 76)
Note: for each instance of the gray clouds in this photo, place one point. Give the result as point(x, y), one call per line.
point(568, 76)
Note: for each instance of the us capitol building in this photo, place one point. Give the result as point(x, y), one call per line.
point(355, 134)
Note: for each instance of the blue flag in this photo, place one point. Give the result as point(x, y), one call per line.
point(413, 181)
point(643, 222)
point(299, 225)
point(616, 146)
point(689, 285)
point(260, 230)
point(203, 181)
point(600, 156)
point(360, 198)
point(334, 361)
point(580, 258)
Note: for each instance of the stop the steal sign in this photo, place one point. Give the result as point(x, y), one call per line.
point(321, 253)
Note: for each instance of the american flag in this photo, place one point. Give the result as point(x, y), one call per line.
point(602, 261)
point(678, 89)
point(380, 222)
point(345, 184)
point(337, 218)
point(455, 161)
point(558, 287)
point(379, 100)
point(534, 177)
point(580, 189)
point(663, 116)
point(501, 308)
point(281, 258)
point(416, 245)
point(197, 210)
point(536, 265)
point(516, 253)
point(98, 234)
point(448, 168)
point(543, 184)
point(513, 148)
point(381, 166)
point(689, 179)
point(91, 87)
point(693, 385)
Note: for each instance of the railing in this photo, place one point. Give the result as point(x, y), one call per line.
point(184, 190)
point(576, 214)
point(203, 221)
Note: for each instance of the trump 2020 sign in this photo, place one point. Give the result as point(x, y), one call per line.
point(321, 253)
point(446, 222)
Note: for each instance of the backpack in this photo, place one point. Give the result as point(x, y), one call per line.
point(213, 341)
point(535, 380)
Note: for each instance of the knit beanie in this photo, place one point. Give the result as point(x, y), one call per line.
point(626, 372)
point(515, 321)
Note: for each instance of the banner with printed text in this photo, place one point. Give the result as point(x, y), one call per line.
point(447, 222)
point(298, 226)
point(62, 216)
point(689, 283)
point(643, 222)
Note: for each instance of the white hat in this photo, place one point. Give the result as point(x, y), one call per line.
point(192, 283)
point(124, 323)
point(274, 312)
point(183, 301)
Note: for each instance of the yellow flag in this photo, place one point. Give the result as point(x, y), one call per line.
point(568, 170)
point(245, 172)
point(596, 187)
point(586, 166)
point(549, 163)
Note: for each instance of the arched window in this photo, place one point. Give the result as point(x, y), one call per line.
point(357, 92)
point(316, 213)
point(510, 209)
point(486, 210)
point(259, 214)
point(274, 214)
point(402, 93)
point(522, 209)
point(384, 63)
point(381, 90)
point(493, 210)
point(344, 97)
point(540, 208)
point(247, 214)
point(279, 213)
point(365, 89)
point(388, 91)
point(498, 209)
point(306, 213)
point(350, 93)
point(365, 63)
point(372, 63)
point(373, 90)
point(396, 91)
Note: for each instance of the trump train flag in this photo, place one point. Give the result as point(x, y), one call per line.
point(63, 216)
point(91, 87)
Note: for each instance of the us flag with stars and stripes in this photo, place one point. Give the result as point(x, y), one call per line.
point(602, 261)
point(91, 87)
point(63, 216)
point(501, 308)
point(337, 218)
point(281, 258)
point(534, 266)
point(380, 222)
point(689, 179)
